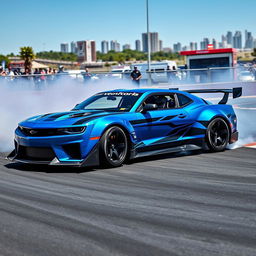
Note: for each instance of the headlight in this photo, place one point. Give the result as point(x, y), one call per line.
point(42, 132)
point(72, 130)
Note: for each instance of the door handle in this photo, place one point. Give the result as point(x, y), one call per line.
point(182, 115)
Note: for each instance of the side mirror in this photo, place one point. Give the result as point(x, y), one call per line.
point(149, 107)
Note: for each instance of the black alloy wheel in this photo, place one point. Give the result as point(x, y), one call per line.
point(113, 147)
point(217, 135)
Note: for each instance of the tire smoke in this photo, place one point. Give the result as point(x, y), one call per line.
point(19, 100)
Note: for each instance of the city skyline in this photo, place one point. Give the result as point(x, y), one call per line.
point(64, 21)
point(230, 40)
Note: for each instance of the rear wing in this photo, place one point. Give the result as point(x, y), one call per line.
point(236, 92)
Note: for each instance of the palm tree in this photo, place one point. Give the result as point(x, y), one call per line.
point(27, 54)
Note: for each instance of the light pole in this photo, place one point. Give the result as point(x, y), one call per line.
point(149, 45)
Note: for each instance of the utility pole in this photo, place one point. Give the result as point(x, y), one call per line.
point(149, 45)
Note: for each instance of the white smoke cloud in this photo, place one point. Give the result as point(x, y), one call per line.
point(246, 126)
point(19, 100)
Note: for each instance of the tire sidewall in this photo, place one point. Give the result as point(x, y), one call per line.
point(104, 159)
point(212, 147)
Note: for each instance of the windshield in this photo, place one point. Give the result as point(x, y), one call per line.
point(110, 101)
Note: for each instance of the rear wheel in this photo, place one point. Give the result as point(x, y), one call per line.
point(113, 147)
point(217, 135)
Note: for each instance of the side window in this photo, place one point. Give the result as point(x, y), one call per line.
point(162, 101)
point(183, 100)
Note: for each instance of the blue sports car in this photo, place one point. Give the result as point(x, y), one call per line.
point(114, 126)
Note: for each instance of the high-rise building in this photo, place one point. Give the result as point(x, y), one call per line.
point(237, 40)
point(138, 45)
point(126, 46)
point(184, 48)
point(193, 46)
point(207, 41)
point(167, 49)
point(229, 38)
point(204, 43)
point(86, 51)
point(118, 47)
point(154, 42)
point(248, 40)
point(224, 42)
point(177, 47)
point(160, 45)
point(73, 47)
point(64, 47)
point(104, 46)
point(214, 43)
point(114, 46)
point(246, 35)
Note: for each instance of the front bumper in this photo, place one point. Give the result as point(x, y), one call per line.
point(68, 150)
point(91, 160)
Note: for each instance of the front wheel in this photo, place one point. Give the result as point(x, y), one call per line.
point(113, 147)
point(217, 135)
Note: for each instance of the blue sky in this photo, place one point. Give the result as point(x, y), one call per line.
point(45, 24)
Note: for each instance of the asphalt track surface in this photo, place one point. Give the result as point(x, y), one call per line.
point(185, 204)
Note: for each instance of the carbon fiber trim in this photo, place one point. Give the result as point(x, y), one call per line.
point(198, 142)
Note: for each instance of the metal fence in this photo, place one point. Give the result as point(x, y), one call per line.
point(173, 77)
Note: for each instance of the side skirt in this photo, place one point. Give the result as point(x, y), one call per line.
point(168, 148)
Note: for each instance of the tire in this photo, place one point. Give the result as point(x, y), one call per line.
point(217, 135)
point(113, 147)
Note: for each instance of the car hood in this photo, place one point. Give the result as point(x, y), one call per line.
point(64, 119)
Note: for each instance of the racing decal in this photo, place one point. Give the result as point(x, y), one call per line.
point(179, 125)
point(135, 94)
point(84, 120)
point(45, 115)
point(142, 121)
point(168, 118)
point(204, 123)
point(195, 131)
point(179, 128)
point(150, 120)
point(87, 119)
point(56, 116)
point(84, 114)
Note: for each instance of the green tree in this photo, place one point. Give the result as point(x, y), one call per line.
point(51, 55)
point(4, 58)
point(27, 54)
point(131, 55)
point(10, 54)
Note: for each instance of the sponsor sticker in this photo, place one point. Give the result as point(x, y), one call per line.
point(134, 94)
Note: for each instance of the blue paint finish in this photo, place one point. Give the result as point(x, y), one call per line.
point(144, 129)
